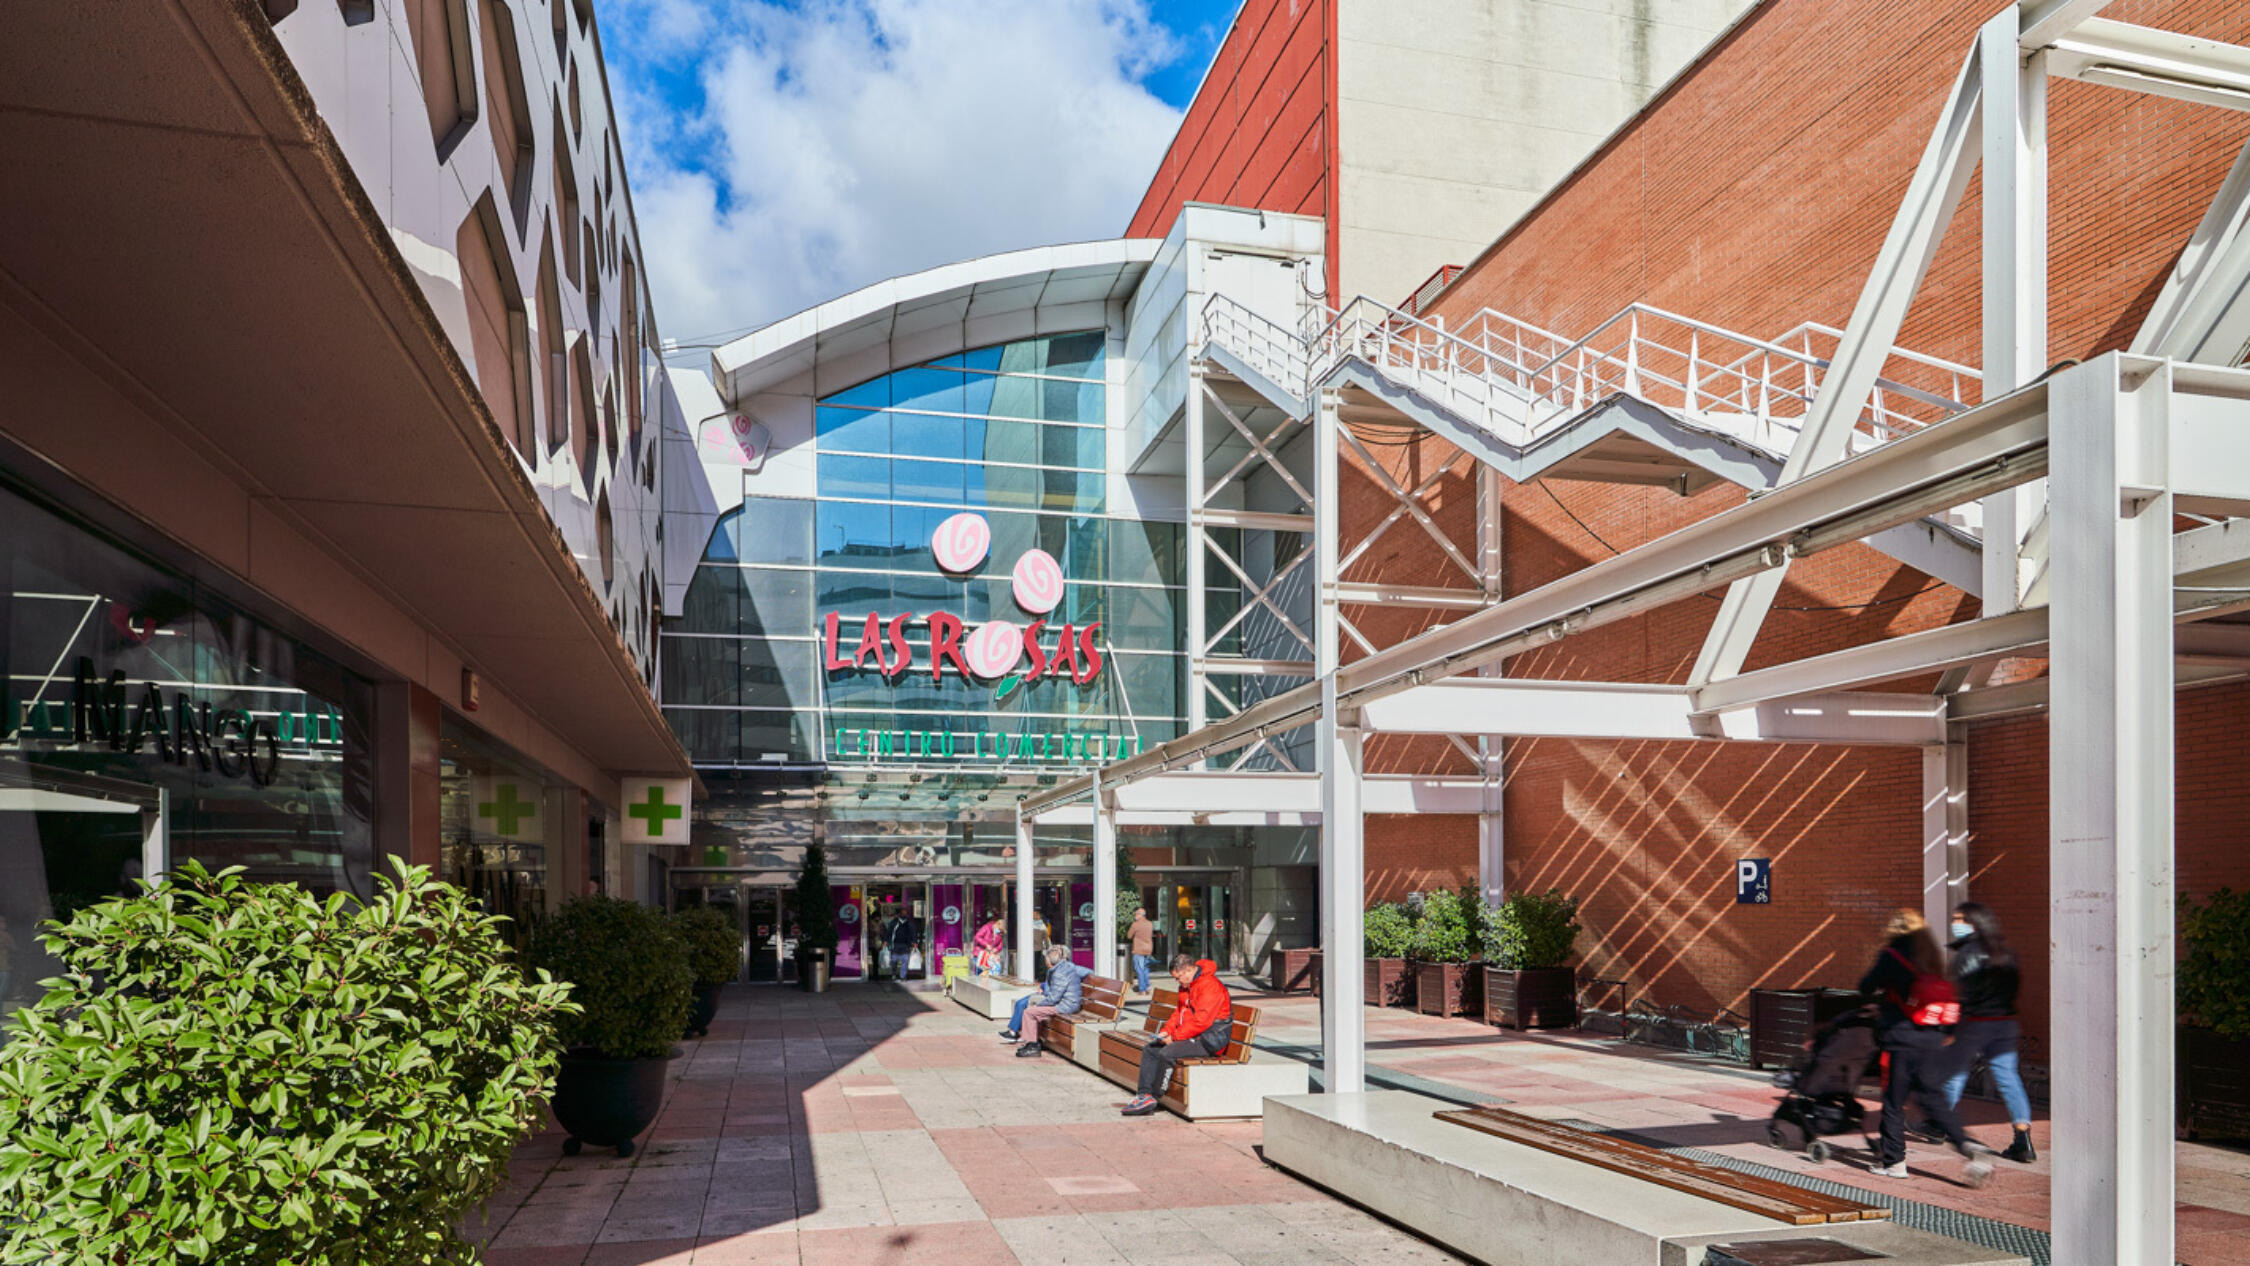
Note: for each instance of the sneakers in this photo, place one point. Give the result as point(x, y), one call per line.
point(2021, 1151)
point(1009, 1035)
point(1977, 1172)
point(1141, 1106)
point(1029, 1050)
point(1891, 1171)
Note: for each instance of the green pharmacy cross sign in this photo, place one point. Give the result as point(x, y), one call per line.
point(506, 809)
point(656, 810)
point(653, 812)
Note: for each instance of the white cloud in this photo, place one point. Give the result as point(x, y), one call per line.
point(856, 140)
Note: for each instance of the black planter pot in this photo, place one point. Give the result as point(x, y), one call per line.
point(702, 1010)
point(608, 1102)
point(813, 966)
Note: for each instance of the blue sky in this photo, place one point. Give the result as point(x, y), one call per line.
point(783, 152)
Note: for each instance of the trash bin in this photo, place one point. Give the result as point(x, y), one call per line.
point(812, 969)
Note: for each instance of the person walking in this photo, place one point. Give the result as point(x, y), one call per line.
point(1987, 977)
point(905, 936)
point(986, 947)
point(1141, 942)
point(1063, 994)
point(1201, 1026)
point(1915, 1006)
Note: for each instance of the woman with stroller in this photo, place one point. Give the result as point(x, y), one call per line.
point(1986, 977)
point(1915, 1005)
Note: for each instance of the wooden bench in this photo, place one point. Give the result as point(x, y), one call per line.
point(1232, 1084)
point(1783, 1202)
point(1078, 1036)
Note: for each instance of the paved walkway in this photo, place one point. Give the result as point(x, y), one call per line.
point(1682, 1101)
point(871, 1125)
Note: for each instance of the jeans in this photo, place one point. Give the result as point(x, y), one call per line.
point(1140, 971)
point(1157, 1061)
point(1919, 1062)
point(1994, 1042)
point(1015, 1022)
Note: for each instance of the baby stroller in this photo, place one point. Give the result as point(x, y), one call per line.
point(1819, 1093)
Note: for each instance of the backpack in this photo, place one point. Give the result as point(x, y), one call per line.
point(1932, 1002)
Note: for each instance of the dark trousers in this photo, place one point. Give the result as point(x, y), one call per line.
point(1157, 1061)
point(1919, 1067)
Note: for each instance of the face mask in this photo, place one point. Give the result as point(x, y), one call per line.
point(1962, 931)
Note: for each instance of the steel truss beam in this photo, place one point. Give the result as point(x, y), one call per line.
point(1993, 446)
point(1517, 707)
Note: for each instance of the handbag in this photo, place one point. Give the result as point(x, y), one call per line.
point(1932, 1002)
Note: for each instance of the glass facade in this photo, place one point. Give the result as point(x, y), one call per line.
point(1017, 433)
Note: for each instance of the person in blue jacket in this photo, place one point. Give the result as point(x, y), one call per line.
point(1063, 994)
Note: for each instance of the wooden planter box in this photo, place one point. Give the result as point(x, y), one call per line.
point(1783, 1020)
point(1545, 998)
point(1449, 988)
point(1296, 970)
point(2214, 1084)
point(1389, 984)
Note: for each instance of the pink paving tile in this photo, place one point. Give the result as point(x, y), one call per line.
point(937, 1244)
point(675, 1252)
point(747, 1250)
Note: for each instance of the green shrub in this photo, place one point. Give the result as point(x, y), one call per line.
point(629, 972)
point(1442, 934)
point(2214, 976)
point(1389, 933)
point(1530, 931)
point(714, 944)
point(238, 1072)
point(816, 905)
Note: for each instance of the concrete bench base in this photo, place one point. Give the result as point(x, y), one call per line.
point(990, 996)
point(1513, 1205)
point(1235, 1091)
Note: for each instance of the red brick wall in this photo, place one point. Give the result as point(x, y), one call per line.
point(1755, 193)
point(1260, 132)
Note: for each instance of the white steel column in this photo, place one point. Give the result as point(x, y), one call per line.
point(1944, 803)
point(1343, 851)
point(1105, 879)
point(1026, 909)
point(1343, 899)
point(1491, 816)
point(2015, 274)
point(2110, 800)
point(1198, 618)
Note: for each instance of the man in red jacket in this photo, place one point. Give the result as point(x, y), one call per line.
point(1199, 1028)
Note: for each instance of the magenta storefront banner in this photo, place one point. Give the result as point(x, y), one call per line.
point(1082, 914)
point(847, 932)
point(949, 919)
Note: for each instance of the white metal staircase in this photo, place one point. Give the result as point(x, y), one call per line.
point(1521, 384)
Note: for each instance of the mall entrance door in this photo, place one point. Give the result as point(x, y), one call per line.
point(67, 840)
point(763, 933)
point(883, 903)
point(1193, 917)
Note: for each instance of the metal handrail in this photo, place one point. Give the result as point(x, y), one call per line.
point(1519, 379)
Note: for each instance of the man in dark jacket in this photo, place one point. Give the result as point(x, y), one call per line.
point(1200, 1028)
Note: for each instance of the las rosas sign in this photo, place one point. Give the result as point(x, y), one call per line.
point(993, 650)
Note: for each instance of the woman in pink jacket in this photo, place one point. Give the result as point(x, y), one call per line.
point(987, 946)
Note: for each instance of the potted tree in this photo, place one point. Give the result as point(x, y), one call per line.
point(816, 921)
point(1445, 983)
point(1390, 936)
point(1527, 941)
point(228, 1071)
point(2214, 997)
point(629, 972)
point(714, 945)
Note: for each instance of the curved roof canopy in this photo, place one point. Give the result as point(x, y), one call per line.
point(925, 315)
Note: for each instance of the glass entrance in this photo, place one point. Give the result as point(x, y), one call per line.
point(762, 933)
point(1193, 918)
